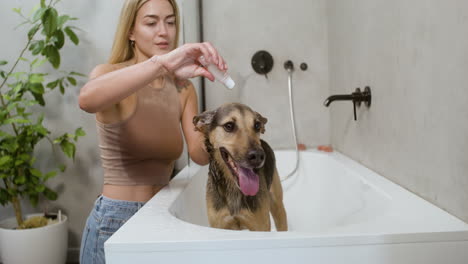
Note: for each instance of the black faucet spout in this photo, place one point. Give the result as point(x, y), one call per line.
point(338, 97)
point(356, 97)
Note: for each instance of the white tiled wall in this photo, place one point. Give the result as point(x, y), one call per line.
point(414, 55)
point(290, 30)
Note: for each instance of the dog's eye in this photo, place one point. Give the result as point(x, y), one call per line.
point(257, 126)
point(229, 126)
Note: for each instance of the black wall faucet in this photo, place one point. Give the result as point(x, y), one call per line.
point(357, 97)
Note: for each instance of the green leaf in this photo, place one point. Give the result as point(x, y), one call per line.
point(38, 63)
point(18, 75)
point(62, 168)
point(6, 97)
point(36, 78)
point(49, 20)
point(21, 179)
point(4, 134)
point(72, 35)
point(4, 196)
point(43, 131)
point(78, 74)
point(35, 172)
point(34, 62)
point(17, 121)
point(62, 20)
point(40, 118)
point(53, 84)
point(39, 98)
point(4, 160)
point(30, 102)
point(49, 194)
point(12, 106)
point(18, 88)
point(50, 175)
point(12, 192)
point(79, 132)
point(3, 62)
point(10, 146)
point(37, 47)
point(60, 39)
point(53, 55)
point(36, 88)
point(72, 80)
point(24, 157)
point(40, 188)
point(68, 148)
point(33, 31)
point(34, 9)
point(38, 14)
point(33, 199)
point(62, 88)
point(17, 10)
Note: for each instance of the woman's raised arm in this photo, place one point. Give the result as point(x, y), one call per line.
point(108, 87)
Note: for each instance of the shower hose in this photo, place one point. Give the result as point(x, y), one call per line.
point(289, 68)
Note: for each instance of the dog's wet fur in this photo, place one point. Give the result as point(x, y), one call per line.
point(232, 139)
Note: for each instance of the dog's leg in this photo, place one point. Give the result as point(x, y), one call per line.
point(276, 204)
point(259, 221)
point(255, 221)
point(221, 218)
point(224, 220)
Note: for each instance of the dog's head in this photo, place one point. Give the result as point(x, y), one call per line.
point(233, 134)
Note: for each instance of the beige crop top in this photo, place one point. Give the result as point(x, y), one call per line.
point(142, 149)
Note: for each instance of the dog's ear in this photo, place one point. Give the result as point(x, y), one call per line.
point(203, 121)
point(263, 121)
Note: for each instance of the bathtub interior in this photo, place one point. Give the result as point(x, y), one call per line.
point(322, 195)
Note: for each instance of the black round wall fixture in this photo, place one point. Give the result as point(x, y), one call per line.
point(262, 62)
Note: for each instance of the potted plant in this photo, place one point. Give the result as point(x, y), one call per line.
point(22, 98)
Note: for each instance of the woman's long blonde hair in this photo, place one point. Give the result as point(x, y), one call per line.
point(122, 49)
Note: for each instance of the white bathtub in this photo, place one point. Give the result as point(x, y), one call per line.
point(338, 212)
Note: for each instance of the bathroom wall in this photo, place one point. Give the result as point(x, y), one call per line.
point(289, 30)
point(414, 56)
point(82, 182)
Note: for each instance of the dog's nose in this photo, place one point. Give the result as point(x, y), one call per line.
point(256, 157)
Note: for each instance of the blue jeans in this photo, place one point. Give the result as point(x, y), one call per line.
point(107, 216)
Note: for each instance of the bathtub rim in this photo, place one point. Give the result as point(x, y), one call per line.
point(189, 236)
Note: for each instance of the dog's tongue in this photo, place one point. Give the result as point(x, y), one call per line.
point(248, 181)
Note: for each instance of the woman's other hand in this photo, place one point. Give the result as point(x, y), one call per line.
point(183, 61)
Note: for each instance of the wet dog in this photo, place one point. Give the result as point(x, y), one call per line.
point(243, 184)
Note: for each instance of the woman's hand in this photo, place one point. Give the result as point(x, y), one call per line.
point(183, 61)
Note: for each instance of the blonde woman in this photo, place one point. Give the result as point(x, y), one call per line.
point(141, 99)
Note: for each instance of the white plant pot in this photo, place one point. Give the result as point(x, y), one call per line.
point(43, 245)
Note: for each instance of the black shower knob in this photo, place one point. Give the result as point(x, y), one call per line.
point(262, 62)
